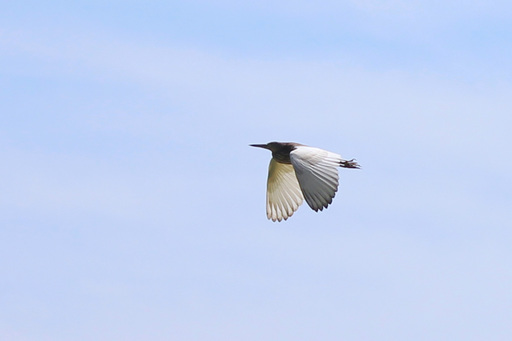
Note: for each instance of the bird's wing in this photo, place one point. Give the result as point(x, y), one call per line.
point(317, 172)
point(283, 192)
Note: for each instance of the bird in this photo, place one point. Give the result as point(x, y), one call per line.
point(297, 172)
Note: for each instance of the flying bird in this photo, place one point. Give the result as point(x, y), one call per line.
point(297, 172)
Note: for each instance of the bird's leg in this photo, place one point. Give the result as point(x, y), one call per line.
point(349, 164)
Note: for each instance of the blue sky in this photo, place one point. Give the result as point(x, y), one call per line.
point(133, 208)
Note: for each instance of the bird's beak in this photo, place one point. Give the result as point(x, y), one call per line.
point(259, 145)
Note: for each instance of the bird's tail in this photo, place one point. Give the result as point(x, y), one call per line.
point(349, 164)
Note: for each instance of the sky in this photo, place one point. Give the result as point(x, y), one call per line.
point(132, 207)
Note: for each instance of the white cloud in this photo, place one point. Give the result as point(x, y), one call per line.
point(433, 112)
point(417, 235)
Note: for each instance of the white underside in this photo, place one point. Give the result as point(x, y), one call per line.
point(313, 175)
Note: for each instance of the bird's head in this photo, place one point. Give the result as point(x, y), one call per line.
point(272, 146)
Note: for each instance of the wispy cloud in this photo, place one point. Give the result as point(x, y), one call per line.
point(129, 190)
point(437, 111)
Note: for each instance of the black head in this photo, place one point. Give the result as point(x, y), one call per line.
point(274, 147)
point(280, 150)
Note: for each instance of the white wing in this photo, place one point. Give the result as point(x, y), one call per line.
point(317, 172)
point(283, 192)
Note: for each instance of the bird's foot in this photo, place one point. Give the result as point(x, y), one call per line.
point(349, 164)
